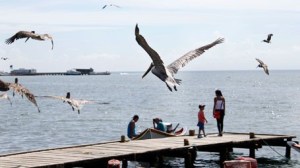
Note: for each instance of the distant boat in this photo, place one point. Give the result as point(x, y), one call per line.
point(73, 72)
point(124, 73)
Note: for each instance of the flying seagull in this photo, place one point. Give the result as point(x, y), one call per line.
point(268, 39)
point(110, 5)
point(4, 58)
point(27, 35)
point(5, 96)
point(166, 73)
point(76, 104)
point(262, 65)
point(18, 88)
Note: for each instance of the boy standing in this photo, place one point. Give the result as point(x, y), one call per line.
point(201, 120)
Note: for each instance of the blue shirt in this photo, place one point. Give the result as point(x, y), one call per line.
point(160, 126)
point(129, 131)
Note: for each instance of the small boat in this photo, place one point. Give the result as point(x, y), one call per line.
point(292, 145)
point(73, 72)
point(151, 133)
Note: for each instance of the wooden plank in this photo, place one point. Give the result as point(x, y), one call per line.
point(138, 148)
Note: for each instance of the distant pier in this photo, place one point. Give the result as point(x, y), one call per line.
point(150, 150)
point(33, 72)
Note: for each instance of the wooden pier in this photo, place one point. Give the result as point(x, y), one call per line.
point(151, 150)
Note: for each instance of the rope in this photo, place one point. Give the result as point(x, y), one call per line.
point(275, 150)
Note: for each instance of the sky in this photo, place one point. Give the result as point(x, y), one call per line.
point(87, 36)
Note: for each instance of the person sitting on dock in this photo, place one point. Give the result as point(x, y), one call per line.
point(158, 124)
point(131, 127)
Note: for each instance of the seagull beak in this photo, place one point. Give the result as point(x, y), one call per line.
point(148, 70)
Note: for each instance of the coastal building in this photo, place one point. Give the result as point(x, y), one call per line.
point(23, 71)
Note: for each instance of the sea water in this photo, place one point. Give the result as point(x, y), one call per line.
point(255, 102)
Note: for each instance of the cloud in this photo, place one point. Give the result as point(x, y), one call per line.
point(67, 15)
point(86, 35)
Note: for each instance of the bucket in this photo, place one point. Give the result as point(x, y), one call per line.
point(191, 132)
point(250, 159)
point(113, 163)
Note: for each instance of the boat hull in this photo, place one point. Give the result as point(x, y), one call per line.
point(151, 133)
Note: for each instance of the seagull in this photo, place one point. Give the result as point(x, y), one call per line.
point(166, 73)
point(18, 88)
point(4, 58)
point(76, 104)
point(110, 5)
point(5, 96)
point(4, 86)
point(27, 35)
point(262, 65)
point(268, 39)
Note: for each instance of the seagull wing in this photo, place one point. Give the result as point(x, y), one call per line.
point(265, 67)
point(4, 86)
point(71, 102)
point(116, 6)
point(75, 104)
point(54, 97)
point(5, 96)
point(48, 37)
point(152, 53)
point(182, 61)
point(19, 35)
point(260, 61)
point(18, 88)
point(269, 37)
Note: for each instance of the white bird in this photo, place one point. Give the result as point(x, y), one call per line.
point(166, 73)
point(27, 35)
point(5, 96)
point(110, 5)
point(268, 40)
point(18, 88)
point(262, 65)
point(74, 103)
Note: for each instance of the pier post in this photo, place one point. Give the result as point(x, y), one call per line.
point(224, 155)
point(252, 152)
point(124, 163)
point(188, 160)
point(193, 152)
point(252, 147)
point(160, 160)
point(288, 149)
